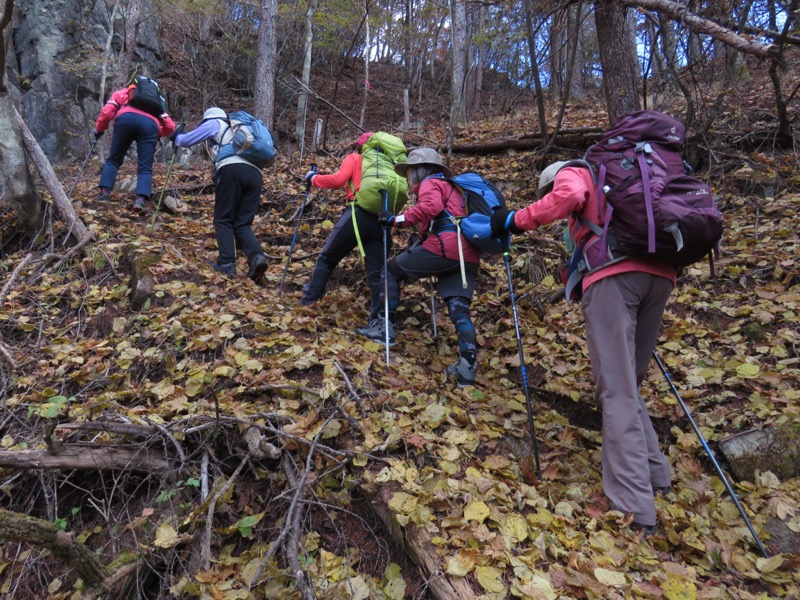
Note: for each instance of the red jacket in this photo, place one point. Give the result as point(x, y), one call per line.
point(434, 195)
point(118, 105)
point(349, 170)
point(575, 191)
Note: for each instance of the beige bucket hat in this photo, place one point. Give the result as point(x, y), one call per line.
point(422, 156)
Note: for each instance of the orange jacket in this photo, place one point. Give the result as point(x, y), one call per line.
point(118, 105)
point(349, 171)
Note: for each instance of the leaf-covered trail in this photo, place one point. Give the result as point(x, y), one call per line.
point(457, 462)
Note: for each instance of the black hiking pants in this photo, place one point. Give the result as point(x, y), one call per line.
point(340, 243)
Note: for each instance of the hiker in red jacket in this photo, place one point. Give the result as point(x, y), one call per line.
point(130, 125)
point(344, 237)
point(623, 303)
point(436, 254)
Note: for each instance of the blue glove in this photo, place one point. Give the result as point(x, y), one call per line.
point(386, 218)
point(503, 221)
point(98, 134)
point(309, 176)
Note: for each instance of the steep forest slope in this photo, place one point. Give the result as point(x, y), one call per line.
point(267, 444)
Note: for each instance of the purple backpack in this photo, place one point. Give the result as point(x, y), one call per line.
point(654, 207)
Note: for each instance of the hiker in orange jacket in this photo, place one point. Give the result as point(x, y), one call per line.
point(130, 125)
point(343, 238)
point(623, 303)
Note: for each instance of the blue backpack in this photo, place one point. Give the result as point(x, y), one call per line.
point(481, 198)
point(251, 140)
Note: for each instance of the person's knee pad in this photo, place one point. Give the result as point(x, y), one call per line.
point(458, 309)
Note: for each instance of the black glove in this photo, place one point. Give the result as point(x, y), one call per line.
point(503, 221)
point(386, 218)
point(178, 130)
point(98, 134)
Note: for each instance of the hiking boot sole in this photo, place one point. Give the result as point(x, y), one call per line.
point(258, 271)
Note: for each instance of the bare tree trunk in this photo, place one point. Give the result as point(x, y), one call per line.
point(132, 20)
point(530, 34)
point(16, 178)
point(366, 68)
point(458, 18)
point(618, 58)
point(267, 63)
point(302, 99)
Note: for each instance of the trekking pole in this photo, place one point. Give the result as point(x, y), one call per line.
point(296, 229)
point(163, 189)
point(83, 166)
point(385, 196)
point(524, 372)
point(710, 453)
point(433, 307)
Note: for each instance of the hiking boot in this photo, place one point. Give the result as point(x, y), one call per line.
point(645, 530)
point(376, 331)
point(257, 268)
point(662, 491)
point(226, 269)
point(463, 371)
point(104, 195)
point(138, 204)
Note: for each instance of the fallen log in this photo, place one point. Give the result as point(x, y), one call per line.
point(418, 543)
point(87, 459)
point(572, 138)
point(580, 141)
point(19, 528)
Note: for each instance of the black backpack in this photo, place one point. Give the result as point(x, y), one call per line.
point(146, 96)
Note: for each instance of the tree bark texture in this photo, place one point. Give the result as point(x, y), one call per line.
point(618, 58)
point(267, 62)
point(458, 83)
point(76, 227)
point(302, 97)
point(86, 459)
point(19, 528)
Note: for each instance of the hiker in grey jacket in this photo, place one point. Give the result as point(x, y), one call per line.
point(237, 186)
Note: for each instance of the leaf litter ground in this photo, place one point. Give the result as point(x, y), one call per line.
point(454, 465)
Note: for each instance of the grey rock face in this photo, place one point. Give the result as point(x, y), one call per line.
point(59, 49)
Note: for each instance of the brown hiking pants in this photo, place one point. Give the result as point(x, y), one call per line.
point(623, 315)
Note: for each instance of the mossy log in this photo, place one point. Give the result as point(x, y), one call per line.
point(19, 528)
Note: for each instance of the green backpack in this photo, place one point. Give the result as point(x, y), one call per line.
point(381, 152)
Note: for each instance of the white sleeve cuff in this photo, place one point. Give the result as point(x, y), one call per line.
point(399, 219)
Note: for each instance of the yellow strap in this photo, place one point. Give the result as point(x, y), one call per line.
point(355, 228)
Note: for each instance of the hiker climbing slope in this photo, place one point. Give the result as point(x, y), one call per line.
point(139, 115)
point(435, 254)
point(238, 182)
point(370, 166)
point(622, 306)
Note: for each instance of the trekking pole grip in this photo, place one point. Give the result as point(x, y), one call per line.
point(313, 170)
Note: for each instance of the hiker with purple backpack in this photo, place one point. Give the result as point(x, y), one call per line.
point(623, 289)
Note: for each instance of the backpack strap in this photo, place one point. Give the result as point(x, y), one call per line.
point(355, 230)
point(642, 149)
